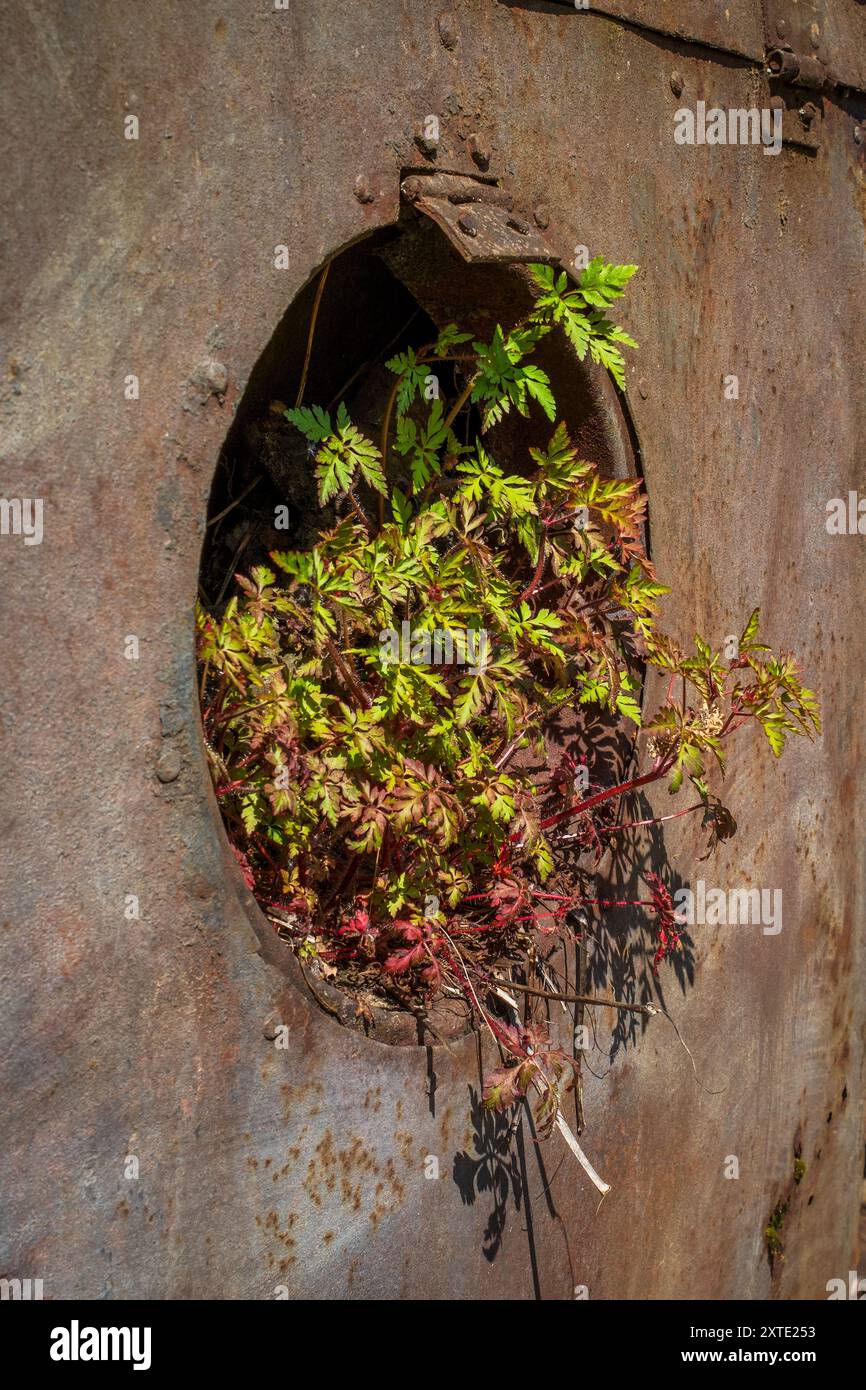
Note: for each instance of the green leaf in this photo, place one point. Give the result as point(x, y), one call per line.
point(449, 337)
point(628, 706)
point(600, 284)
point(413, 377)
point(312, 421)
point(342, 455)
point(401, 508)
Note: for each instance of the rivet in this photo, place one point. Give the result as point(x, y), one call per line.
point(858, 135)
point(542, 216)
point(677, 84)
point(468, 224)
point(815, 35)
point(211, 375)
point(479, 150)
point(447, 26)
point(363, 191)
point(643, 388)
point(781, 28)
point(168, 766)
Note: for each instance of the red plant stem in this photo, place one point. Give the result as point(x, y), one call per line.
point(359, 511)
point(652, 776)
point(560, 520)
point(595, 902)
point(617, 902)
point(551, 584)
point(349, 678)
point(539, 569)
point(593, 603)
point(651, 820)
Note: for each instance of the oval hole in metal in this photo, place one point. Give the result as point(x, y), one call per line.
point(396, 287)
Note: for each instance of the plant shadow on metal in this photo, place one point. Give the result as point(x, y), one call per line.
point(497, 1171)
point(393, 726)
point(493, 1167)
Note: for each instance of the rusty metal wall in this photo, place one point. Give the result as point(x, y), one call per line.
point(302, 1169)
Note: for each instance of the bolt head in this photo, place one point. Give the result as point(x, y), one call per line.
point(480, 151)
point(468, 224)
point(677, 84)
point(168, 766)
point(363, 191)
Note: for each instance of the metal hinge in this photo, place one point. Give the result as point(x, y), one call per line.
point(797, 43)
point(478, 219)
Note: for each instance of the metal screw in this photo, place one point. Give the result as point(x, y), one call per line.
point(677, 83)
point(479, 150)
point(447, 25)
point(468, 224)
point(363, 191)
point(542, 216)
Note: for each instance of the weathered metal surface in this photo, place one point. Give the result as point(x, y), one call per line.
point(485, 232)
point(828, 37)
point(260, 1167)
point(734, 26)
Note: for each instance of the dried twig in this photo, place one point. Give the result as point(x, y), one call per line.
point(236, 503)
point(315, 314)
point(647, 1009)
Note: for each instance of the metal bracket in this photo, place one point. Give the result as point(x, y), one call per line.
point(478, 219)
point(802, 118)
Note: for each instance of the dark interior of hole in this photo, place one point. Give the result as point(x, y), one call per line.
point(392, 290)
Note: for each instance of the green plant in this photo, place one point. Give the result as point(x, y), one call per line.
point(773, 1232)
point(386, 807)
